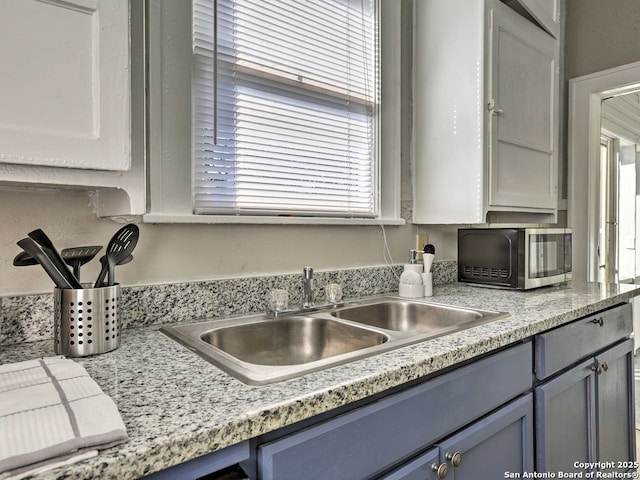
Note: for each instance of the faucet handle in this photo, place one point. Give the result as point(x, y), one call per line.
point(308, 273)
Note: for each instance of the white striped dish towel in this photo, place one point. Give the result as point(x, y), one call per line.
point(52, 412)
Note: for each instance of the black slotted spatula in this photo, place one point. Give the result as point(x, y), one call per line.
point(75, 257)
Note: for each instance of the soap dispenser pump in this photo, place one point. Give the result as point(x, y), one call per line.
point(411, 280)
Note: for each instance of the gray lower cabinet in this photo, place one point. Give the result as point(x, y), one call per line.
point(495, 445)
point(615, 427)
point(396, 430)
point(565, 409)
point(585, 411)
point(500, 443)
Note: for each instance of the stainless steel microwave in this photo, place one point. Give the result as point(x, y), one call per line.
point(517, 258)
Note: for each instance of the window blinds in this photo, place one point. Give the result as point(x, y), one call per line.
point(284, 107)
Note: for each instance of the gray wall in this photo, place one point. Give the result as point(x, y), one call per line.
point(600, 34)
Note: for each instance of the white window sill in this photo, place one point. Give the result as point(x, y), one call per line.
point(258, 220)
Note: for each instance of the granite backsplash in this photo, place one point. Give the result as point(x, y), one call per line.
point(29, 318)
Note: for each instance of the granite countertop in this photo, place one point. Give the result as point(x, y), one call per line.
point(177, 406)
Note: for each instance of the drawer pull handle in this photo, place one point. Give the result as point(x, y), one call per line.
point(598, 321)
point(441, 470)
point(454, 458)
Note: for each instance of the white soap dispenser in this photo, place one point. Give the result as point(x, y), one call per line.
point(411, 280)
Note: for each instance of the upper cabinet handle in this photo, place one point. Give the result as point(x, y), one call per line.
point(494, 109)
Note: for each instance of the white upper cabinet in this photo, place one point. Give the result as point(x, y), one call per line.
point(65, 84)
point(545, 13)
point(485, 115)
point(522, 128)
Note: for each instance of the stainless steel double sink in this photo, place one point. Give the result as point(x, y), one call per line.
point(259, 350)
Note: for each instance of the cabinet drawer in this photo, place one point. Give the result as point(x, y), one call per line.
point(366, 441)
point(564, 346)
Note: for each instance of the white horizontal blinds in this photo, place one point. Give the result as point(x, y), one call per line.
point(297, 94)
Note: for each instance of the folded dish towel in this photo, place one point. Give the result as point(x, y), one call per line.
point(52, 412)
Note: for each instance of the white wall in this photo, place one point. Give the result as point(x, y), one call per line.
point(174, 253)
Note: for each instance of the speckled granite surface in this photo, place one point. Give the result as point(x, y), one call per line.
point(30, 318)
point(177, 406)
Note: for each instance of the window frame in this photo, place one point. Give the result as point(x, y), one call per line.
point(169, 123)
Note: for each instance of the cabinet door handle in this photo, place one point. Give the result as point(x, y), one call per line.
point(598, 321)
point(596, 367)
point(454, 458)
point(493, 107)
point(605, 366)
point(440, 469)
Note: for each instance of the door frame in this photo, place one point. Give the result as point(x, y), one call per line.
point(583, 149)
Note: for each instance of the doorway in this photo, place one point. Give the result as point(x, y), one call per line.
point(586, 95)
point(617, 213)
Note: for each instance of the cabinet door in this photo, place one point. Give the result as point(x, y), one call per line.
point(522, 112)
point(565, 413)
point(615, 393)
point(65, 92)
point(499, 443)
point(424, 467)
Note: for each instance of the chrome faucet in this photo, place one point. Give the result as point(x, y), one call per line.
point(308, 305)
point(307, 287)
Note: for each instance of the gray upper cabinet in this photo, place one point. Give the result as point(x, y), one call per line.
point(485, 115)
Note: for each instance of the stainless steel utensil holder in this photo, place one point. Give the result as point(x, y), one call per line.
point(87, 320)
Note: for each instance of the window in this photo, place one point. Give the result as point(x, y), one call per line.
point(169, 116)
point(286, 121)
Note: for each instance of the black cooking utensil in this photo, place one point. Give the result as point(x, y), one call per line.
point(124, 261)
point(23, 259)
point(72, 257)
point(105, 264)
point(77, 256)
point(50, 250)
point(119, 248)
point(36, 252)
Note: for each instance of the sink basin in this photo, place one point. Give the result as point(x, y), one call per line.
point(291, 341)
point(408, 316)
point(259, 350)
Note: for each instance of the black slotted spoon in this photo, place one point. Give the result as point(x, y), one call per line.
point(119, 248)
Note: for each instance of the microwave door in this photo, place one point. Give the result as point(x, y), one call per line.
point(545, 254)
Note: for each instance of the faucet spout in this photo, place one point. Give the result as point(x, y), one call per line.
point(307, 287)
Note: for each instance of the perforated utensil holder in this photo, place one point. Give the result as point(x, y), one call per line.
point(87, 320)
